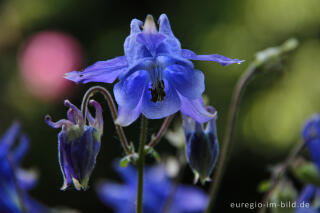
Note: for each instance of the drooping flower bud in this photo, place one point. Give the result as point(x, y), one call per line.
point(202, 147)
point(78, 144)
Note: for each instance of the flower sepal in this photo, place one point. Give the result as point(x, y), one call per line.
point(151, 151)
point(131, 158)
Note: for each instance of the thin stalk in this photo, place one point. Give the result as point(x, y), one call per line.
point(84, 109)
point(225, 148)
point(143, 137)
point(281, 172)
point(161, 131)
point(265, 57)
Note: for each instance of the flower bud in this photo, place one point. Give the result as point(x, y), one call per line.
point(78, 144)
point(202, 147)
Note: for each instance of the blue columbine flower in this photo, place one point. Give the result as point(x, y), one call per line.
point(202, 147)
point(309, 193)
point(14, 181)
point(157, 191)
point(79, 144)
point(156, 76)
point(311, 134)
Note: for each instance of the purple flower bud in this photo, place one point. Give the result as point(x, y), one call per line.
point(202, 147)
point(78, 144)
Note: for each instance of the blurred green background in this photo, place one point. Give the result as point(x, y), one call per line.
point(272, 111)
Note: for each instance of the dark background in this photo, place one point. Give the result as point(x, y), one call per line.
point(272, 111)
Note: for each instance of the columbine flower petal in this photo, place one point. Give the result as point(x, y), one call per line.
point(308, 193)
point(311, 134)
point(133, 50)
point(190, 199)
point(27, 179)
point(12, 176)
point(127, 174)
point(21, 149)
point(156, 192)
point(102, 71)
point(64, 164)
point(188, 82)
point(160, 109)
point(311, 129)
point(120, 197)
point(223, 60)
point(171, 44)
point(98, 121)
point(128, 116)
point(129, 91)
point(195, 109)
point(150, 41)
point(8, 138)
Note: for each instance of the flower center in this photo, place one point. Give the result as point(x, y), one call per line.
point(157, 92)
point(156, 75)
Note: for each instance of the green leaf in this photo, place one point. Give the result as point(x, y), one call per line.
point(264, 186)
point(124, 161)
point(149, 150)
point(132, 158)
point(306, 172)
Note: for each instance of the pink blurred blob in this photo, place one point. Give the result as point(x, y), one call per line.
point(44, 59)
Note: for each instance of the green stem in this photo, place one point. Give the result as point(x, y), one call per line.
point(143, 137)
point(263, 58)
point(221, 165)
point(281, 172)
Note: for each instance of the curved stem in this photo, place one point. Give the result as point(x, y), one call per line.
point(221, 165)
point(84, 109)
point(143, 136)
point(281, 172)
point(154, 141)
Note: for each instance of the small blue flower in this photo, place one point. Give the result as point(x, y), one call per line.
point(156, 76)
point(311, 134)
point(78, 144)
point(157, 190)
point(202, 147)
point(14, 181)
